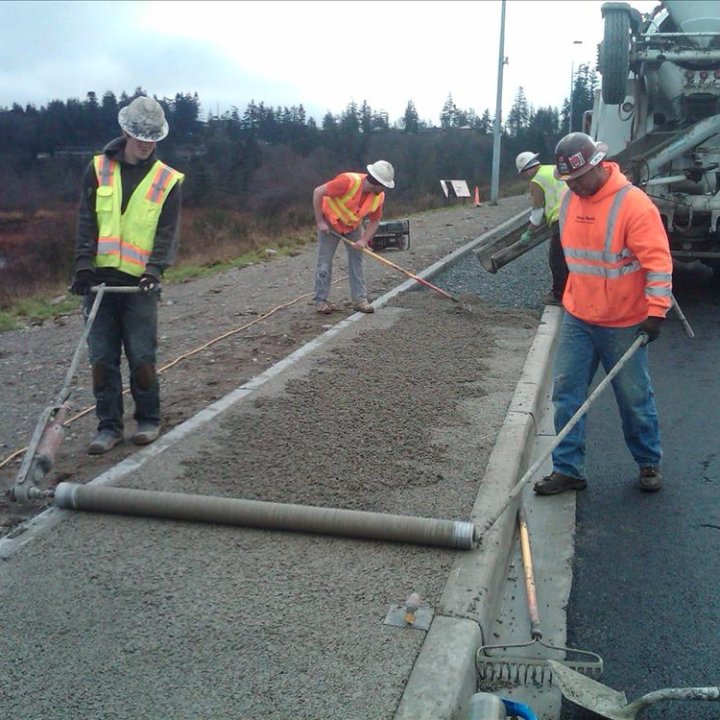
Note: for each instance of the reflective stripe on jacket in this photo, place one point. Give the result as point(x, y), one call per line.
point(125, 240)
point(617, 253)
point(553, 190)
point(345, 213)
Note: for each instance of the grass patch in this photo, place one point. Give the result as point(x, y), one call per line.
point(55, 301)
point(36, 308)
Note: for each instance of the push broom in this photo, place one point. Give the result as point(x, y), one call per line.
point(509, 666)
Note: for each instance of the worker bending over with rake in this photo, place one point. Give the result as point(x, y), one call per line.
point(546, 193)
point(127, 235)
point(619, 286)
point(341, 205)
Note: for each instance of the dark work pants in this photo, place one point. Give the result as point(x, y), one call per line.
point(124, 321)
point(556, 261)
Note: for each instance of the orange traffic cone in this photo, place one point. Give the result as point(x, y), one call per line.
point(476, 201)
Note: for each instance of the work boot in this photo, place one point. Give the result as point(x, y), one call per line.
point(323, 307)
point(551, 299)
point(363, 306)
point(146, 433)
point(556, 482)
point(650, 479)
point(104, 441)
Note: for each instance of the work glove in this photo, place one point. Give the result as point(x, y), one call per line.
point(149, 283)
point(651, 327)
point(83, 281)
point(526, 237)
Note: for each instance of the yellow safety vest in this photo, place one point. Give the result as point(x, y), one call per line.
point(125, 240)
point(553, 189)
point(347, 211)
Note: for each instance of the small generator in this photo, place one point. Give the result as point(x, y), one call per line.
point(392, 234)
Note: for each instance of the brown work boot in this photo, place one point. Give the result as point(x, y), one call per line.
point(363, 306)
point(323, 307)
point(556, 482)
point(650, 479)
point(551, 299)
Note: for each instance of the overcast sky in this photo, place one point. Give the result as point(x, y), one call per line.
point(321, 54)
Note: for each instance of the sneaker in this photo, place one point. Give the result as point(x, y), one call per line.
point(556, 482)
point(104, 441)
point(146, 433)
point(551, 299)
point(650, 479)
point(324, 308)
point(363, 306)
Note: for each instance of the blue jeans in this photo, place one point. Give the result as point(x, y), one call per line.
point(581, 348)
point(129, 321)
point(327, 245)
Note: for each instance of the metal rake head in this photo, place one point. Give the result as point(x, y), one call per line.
point(518, 670)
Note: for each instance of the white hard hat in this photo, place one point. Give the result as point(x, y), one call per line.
point(383, 172)
point(526, 160)
point(144, 120)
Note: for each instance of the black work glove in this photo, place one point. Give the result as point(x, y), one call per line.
point(651, 327)
point(149, 283)
point(83, 281)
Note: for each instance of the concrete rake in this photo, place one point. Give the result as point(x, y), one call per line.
point(510, 667)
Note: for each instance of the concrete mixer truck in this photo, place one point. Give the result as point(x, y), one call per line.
point(658, 110)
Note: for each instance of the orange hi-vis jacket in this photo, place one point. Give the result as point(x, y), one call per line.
point(617, 253)
point(345, 212)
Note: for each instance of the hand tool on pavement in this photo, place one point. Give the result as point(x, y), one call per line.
point(391, 264)
point(640, 340)
point(411, 614)
point(524, 669)
point(49, 431)
point(608, 703)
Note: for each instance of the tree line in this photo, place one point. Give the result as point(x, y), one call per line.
point(267, 159)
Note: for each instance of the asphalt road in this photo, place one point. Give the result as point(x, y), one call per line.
point(645, 586)
point(645, 591)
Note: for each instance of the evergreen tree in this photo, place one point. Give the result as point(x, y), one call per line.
point(410, 118)
point(519, 116)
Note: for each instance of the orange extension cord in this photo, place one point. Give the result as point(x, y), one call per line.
point(184, 356)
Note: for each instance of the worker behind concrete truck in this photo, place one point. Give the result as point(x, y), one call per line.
point(127, 235)
point(341, 205)
point(546, 193)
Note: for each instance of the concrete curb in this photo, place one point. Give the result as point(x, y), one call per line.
point(444, 675)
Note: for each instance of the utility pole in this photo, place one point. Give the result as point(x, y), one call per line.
point(572, 88)
point(495, 178)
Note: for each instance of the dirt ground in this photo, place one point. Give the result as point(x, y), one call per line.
point(216, 334)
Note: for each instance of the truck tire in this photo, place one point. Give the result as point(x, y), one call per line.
point(615, 57)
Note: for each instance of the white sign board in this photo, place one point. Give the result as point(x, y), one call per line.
point(455, 188)
point(461, 189)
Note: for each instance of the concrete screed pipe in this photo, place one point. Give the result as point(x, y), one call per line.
point(275, 516)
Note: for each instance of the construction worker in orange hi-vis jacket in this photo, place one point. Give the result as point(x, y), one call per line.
point(349, 206)
point(619, 286)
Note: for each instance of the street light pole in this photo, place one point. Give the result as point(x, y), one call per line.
point(495, 176)
point(572, 87)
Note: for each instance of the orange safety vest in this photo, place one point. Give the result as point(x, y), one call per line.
point(346, 212)
point(617, 253)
